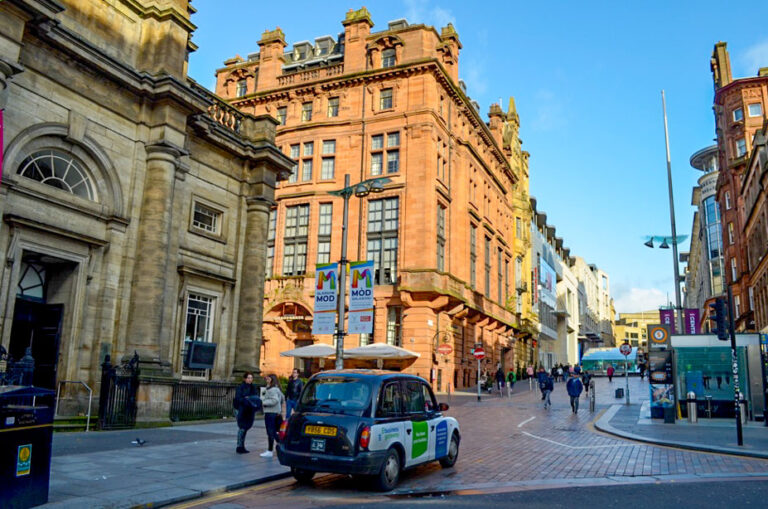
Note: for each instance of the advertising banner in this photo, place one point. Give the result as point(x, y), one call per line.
point(547, 284)
point(326, 298)
point(361, 297)
point(660, 367)
point(692, 323)
point(667, 317)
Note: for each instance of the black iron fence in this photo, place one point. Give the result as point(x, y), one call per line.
point(117, 399)
point(202, 400)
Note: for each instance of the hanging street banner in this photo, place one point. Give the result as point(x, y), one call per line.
point(692, 323)
point(360, 297)
point(326, 298)
point(667, 317)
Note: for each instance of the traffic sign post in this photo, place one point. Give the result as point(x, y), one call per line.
point(625, 350)
point(479, 354)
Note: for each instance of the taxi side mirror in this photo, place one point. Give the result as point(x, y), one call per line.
point(443, 407)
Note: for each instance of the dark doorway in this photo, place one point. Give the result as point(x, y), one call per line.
point(38, 325)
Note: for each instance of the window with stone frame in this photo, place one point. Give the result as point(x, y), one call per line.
point(385, 99)
point(755, 110)
point(295, 240)
point(242, 88)
point(324, 228)
point(306, 161)
point(499, 276)
point(442, 161)
point(306, 112)
point(440, 237)
point(738, 114)
point(294, 154)
point(382, 239)
point(473, 255)
point(328, 163)
point(390, 153)
point(333, 107)
point(59, 170)
point(506, 279)
point(488, 267)
point(741, 147)
point(282, 115)
point(206, 218)
point(198, 326)
point(388, 58)
point(271, 234)
point(395, 326)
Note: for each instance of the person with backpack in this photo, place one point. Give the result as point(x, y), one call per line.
point(245, 410)
point(548, 388)
point(511, 379)
point(574, 388)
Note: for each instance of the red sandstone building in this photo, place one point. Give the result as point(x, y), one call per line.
point(448, 260)
point(740, 112)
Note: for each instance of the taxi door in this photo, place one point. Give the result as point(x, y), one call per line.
point(388, 420)
point(421, 422)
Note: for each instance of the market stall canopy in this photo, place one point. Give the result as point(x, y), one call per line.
point(312, 351)
point(379, 351)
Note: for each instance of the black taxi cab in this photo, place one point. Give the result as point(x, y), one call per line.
point(367, 423)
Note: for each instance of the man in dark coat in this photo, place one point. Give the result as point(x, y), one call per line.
point(245, 410)
point(574, 388)
point(292, 392)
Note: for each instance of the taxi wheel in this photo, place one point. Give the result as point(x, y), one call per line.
point(302, 476)
point(453, 453)
point(390, 472)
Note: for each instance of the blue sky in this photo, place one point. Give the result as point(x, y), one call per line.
point(587, 79)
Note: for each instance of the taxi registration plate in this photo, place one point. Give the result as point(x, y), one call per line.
point(324, 431)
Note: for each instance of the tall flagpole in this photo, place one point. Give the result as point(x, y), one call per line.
point(679, 308)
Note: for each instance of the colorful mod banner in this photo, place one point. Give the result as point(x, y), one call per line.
point(326, 298)
point(361, 297)
point(667, 317)
point(692, 323)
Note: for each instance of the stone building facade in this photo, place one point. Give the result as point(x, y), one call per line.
point(450, 263)
point(740, 111)
point(134, 202)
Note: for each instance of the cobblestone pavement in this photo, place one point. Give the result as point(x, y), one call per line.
point(516, 444)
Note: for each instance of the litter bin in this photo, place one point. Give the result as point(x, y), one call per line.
point(693, 411)
point(619, 393)
point(26, 432)
point(669, 415)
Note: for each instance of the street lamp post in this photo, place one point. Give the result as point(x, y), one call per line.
point(361, 190)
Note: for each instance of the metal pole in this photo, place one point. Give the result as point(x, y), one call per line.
point(626, 376)
point(478, 380)
point(679, 308)
point(340, 333)
point(735, 367)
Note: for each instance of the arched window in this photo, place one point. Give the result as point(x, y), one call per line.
point(60, 170)
point(31, 282)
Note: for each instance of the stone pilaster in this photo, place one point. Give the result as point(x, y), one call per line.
point(148, 299)
point(251, 309)
point(7, 70)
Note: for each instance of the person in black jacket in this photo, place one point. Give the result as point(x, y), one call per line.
point(245, 410)
point(292, 393)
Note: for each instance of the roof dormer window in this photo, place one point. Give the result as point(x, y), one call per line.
point(388, 58)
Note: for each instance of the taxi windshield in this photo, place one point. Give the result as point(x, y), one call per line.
point(336, 395)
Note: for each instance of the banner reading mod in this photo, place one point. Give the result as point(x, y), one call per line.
point(361, 297)
point(326, 298)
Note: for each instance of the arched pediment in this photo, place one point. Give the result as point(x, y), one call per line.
point(385, 41)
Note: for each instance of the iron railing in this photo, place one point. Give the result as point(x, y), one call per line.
point(193, 401)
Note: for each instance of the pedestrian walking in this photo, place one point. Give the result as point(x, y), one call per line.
point(548, 388)
point(541, 377)
point(245, 410)
point(511, 379)
point(273, 412)
point(292, 392)
point(585, 378)
point(574, 388)
point(560, 372)
point(642, 371)
point(500, 380)
point(529, 373)
point(610, 372)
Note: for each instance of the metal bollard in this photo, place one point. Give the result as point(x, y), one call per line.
point(693, 411)
point(742, 408)
point(708, 397)
point(591, 395)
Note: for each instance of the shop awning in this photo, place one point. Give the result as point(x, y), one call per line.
point(310, 352)
point(379, 351)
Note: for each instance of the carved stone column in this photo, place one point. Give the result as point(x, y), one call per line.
point(251, 309)
point(148, 299)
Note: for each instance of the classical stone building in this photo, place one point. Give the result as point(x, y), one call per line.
point(449, 233)
point(740, 111)
point(134, 202)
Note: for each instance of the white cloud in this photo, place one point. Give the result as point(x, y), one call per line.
point(639, 299)
point(421, 11)
point(755, 57)
point(549, 112)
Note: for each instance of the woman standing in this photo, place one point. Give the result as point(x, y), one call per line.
point(273, 412)
point(245, 410)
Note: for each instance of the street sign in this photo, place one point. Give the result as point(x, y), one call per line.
point(659, 335)
point(479, 353)
point(625, 349)
point(445, 349)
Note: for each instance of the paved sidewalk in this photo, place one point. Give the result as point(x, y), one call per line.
point(103, 469)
